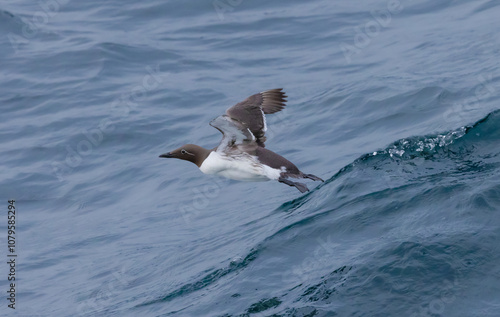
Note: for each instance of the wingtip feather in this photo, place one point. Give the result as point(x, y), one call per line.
point(273, 100)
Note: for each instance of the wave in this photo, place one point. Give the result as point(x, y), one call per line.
point(421, 155)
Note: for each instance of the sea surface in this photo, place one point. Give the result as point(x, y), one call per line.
point(395, 104)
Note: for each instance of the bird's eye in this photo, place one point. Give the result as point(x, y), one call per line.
point(183, 151)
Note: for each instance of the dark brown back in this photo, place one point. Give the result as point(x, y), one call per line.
point(274, 160)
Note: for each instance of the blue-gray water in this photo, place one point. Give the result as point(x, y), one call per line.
point(394, 104)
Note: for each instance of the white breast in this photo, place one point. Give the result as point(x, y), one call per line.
point(242, 167)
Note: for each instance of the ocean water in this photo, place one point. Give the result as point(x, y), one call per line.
point(394, 103)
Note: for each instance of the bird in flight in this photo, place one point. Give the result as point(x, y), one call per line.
point(241, 155)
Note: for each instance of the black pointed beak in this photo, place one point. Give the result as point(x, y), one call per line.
point(167, 155)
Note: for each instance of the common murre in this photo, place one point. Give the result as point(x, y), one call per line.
point(241, 155)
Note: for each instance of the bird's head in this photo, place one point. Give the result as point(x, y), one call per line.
point(189, 152)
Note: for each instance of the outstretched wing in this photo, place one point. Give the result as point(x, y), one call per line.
point(235, 134)
point(250, 112)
